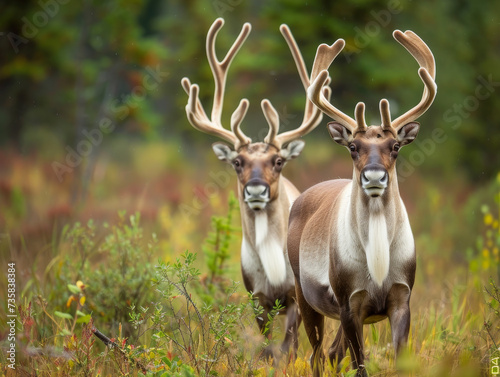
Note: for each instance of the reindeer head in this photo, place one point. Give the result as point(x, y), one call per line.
point(257, 165)
point(374, 149)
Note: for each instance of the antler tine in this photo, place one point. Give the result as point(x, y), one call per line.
point(236, 120)
point(385, 113)
point(427, 72)
point(273, 120)
point(297, 56)
point(324, 57)
point(186, 84)
point(310, 110)
point(418, 49)
point(423, 105)
point(359, 114)
point(220, 68)
point(194, 109)
point(317, 97)
point(312, 116)
point(200, 121)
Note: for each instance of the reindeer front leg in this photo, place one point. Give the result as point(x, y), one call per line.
point(337, 350)
point(265, 329)
point(398, 310)
point(293, 320)
point(351, 320)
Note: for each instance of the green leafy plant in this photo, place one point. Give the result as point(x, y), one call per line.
point(200, 333)
point(117, 270)
point(492, 322)
point(216, 245)
point(70, 352)
point(486, 257)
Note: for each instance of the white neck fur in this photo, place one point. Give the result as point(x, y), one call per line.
point(377, 249)
point(270, 251)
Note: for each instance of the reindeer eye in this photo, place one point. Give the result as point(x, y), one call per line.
point(278, 162)
point(396, 147)
point(236, 163)
point(352, 148)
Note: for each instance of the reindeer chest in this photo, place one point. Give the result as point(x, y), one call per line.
point(374, 262)
point(268, 279)
point(264, 266)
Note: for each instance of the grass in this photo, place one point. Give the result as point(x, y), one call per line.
point(168, 312)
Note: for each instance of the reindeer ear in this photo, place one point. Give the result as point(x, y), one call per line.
point(224, 152)
point(292, 150)
point(339, 133)
point(408, 133)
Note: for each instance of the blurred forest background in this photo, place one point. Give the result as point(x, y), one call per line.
point(92, 110)
point(93, 122)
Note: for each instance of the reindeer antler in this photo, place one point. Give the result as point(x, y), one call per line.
point(327, 55)
point(427, 72)
point(194, 110)
point(312, 115)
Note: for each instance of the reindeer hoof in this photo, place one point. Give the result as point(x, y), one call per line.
point(361, 372)
point(268, 353)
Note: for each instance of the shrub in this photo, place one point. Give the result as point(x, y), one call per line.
point(485, 259)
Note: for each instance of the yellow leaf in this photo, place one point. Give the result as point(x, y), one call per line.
point(80, 285)
point(488, 219)
point(301, 367)
point(486, 264)
point(70, 300)
point(82, 300)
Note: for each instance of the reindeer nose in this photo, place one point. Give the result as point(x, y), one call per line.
point(374, 178)
point(256, 190)
point(256, 195)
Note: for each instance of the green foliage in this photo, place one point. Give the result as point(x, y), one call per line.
point(485, 259)
point(204, 323)
point(98, 274)
point(15, 207)
point(277, 307)
point(202, 335)
point(96, 56)
point(492, 324)
point(181, 331)
point(216, 245)
point(93, 54)
point(117, 271)
point(180, 334)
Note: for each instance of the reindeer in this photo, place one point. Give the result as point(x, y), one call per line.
point(350, 243)
point(265, 196)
